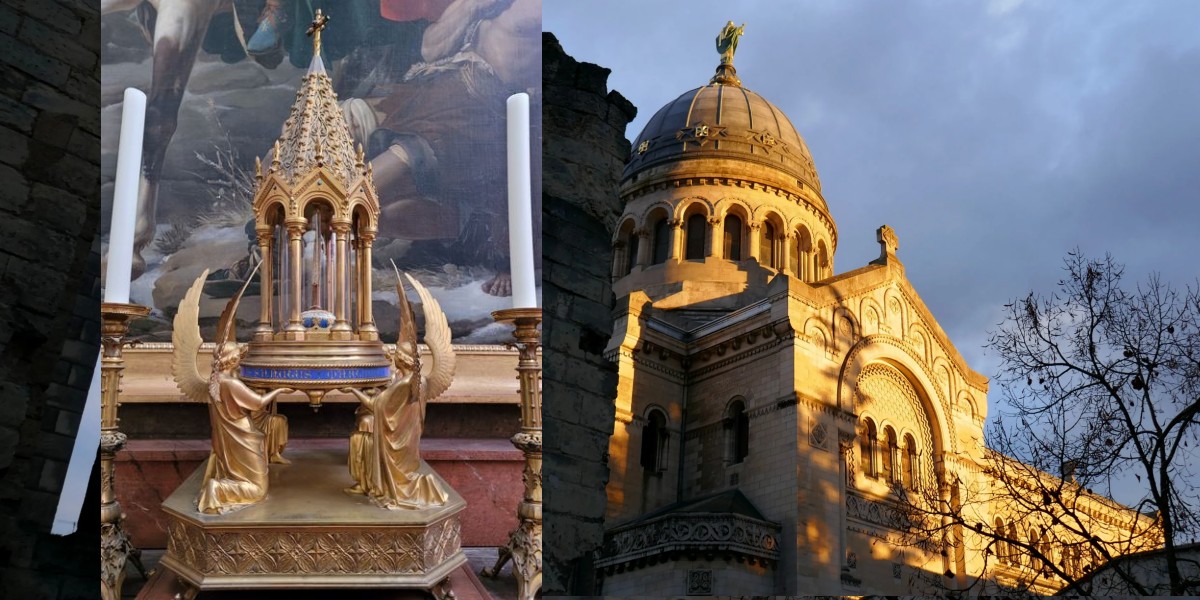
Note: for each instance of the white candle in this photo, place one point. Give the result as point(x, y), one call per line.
point(520, 217)
point(125, 198)
point(82, 463)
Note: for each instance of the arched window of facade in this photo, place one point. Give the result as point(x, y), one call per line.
point(732, 244)
point(661, 241)
point(908, 462)
point(1035, 544)
point(696, 225)
point(866, 450)
point(766, 246)
point(887, 454)
point(822, 260)
point(737, 425)
point(654, 443)
point(1000, 546)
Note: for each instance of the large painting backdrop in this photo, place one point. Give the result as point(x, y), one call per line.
point(423, 84)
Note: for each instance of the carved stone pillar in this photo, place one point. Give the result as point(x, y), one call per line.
point(846, 459)
point(644, 249)
point(715, 238)
point(620, 259)
point(677, 240)
point(755, 233)
point(787, 244)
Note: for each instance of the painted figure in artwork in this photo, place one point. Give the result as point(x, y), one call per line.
point(385, 456)
point(236, 472)
point(430, 134)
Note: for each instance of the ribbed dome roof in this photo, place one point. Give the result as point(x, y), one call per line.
point(723, 120)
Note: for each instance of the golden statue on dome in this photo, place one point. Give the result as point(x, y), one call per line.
point(316, 215)
point(727, 42)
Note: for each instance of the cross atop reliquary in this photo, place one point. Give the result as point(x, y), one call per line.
point(314, 31)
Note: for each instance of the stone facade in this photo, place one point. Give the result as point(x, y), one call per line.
point(50, 287)
point(583, 152)
point(745, 363)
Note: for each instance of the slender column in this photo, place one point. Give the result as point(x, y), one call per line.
point(295, 231)
point(524, 545)
point(846, 458)
point(716, 237)
point(266, 280)
point(620, 259)
point(644, 249)
point(340, 325)
point(755, 232)
point(677, 240)
point(115, 547)
point(358, 283)
point(367, 324)
point(791, 257)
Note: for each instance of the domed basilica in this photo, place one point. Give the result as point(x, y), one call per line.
point(775, 417)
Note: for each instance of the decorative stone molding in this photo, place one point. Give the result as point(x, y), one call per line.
point(741, 356)
point(884, 514)
point(671, 537)
point(875, 512)
point(817, 435)
point(699, 582)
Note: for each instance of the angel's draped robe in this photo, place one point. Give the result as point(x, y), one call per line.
point(236, 473)
point(393, 473)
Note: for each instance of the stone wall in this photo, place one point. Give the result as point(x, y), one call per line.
point(584, 149)
point(49, 286)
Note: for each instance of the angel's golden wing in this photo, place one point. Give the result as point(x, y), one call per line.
point(186, 338)
point(408, 322)
point(437, 337)
point(227, 324)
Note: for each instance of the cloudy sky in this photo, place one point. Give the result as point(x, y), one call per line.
point(994, 137)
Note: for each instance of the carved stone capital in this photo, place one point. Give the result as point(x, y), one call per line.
point(846, 440)
point(528, 441)
point(111, 441)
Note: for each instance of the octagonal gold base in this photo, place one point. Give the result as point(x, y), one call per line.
point(309, 534)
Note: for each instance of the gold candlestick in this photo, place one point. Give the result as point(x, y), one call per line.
point(115, 547)
point(524, 545)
